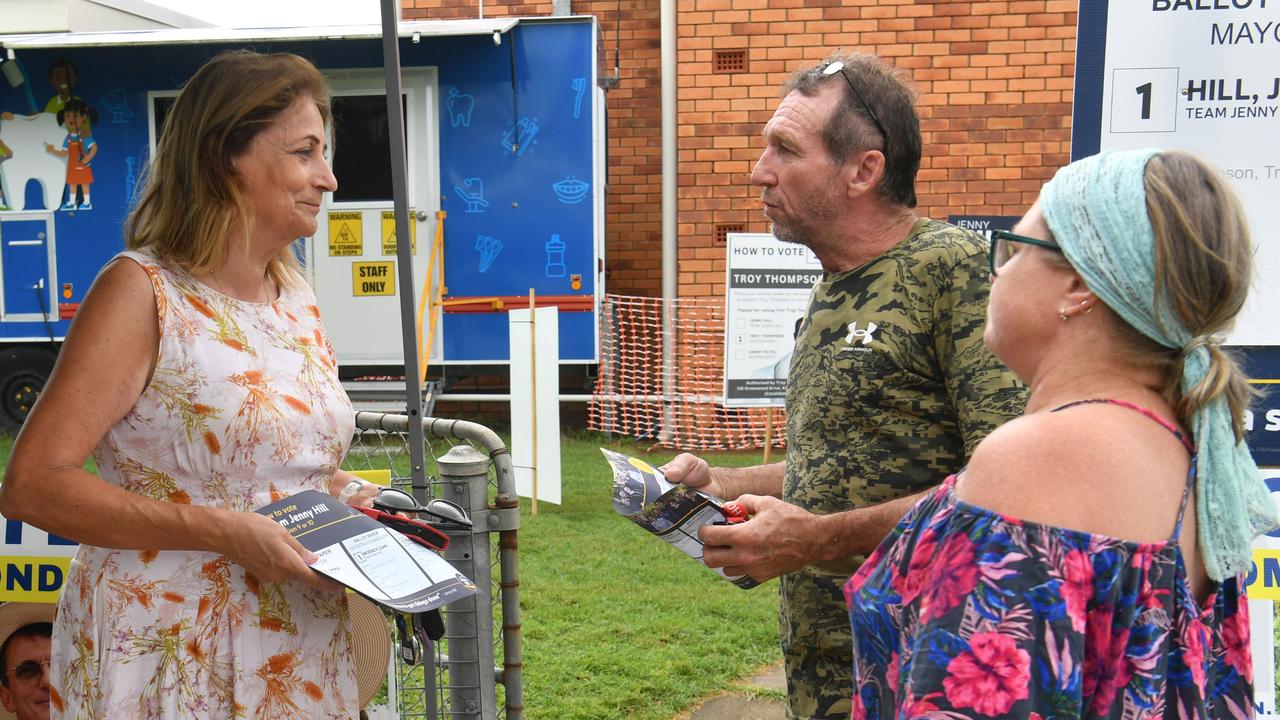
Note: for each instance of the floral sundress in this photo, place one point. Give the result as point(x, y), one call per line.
point(244, 407)
point(967, 613)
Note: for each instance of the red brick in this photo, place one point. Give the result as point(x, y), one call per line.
point(995, 78)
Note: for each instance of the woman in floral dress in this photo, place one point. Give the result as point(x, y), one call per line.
point(200, 377)
point(1090, 560)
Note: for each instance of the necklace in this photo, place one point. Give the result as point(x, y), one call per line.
point(264, 290)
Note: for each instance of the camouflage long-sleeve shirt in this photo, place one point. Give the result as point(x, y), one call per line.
point(890, 389)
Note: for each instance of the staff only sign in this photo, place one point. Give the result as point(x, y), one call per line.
point(33, 563)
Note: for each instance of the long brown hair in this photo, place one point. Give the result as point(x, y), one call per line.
point(1204, 265)
point(192, 198)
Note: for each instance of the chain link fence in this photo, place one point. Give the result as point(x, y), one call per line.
point(475, 671)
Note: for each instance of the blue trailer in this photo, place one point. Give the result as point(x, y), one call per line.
point(505, 137)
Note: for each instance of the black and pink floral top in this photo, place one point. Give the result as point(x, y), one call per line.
point(967, 613)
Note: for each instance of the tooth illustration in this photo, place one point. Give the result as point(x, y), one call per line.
point(460, 106)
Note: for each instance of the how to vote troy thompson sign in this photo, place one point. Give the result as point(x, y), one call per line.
point(766, 294)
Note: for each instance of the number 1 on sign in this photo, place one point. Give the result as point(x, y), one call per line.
point(1144, 90)
point(1153, 104)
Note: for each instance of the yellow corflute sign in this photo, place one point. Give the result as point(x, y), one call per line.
point(34, 563)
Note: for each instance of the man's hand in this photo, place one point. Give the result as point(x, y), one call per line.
point(778, 538)
point(694, 472)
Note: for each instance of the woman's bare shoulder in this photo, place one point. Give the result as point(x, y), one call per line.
point(1102, 469)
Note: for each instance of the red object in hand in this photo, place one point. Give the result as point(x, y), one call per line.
point(733, 512)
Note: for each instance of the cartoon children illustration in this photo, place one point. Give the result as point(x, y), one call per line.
point(62, 76)
point(79, 149)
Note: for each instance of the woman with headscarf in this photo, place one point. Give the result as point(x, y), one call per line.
point(1090, 560)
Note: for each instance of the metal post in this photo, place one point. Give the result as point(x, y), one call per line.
point(404, 253)
point(670, 202)
point(469, 623)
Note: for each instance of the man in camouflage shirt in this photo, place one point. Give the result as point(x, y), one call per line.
point(890, 385)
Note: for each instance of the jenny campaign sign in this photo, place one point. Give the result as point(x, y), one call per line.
point(766, 295)
point(1264, 592)
point(33, 563)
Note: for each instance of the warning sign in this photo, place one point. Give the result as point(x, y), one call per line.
point(346, 236)
point(373, 278)
point(389, 233)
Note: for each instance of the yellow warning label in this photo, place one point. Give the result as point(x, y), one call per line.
point(32, 579)
point(346, 234)
point(373, 278)
point(389, 233)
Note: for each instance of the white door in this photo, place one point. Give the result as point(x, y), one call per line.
point(352, 260)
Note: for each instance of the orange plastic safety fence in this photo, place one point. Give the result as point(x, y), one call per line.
point(630, 398)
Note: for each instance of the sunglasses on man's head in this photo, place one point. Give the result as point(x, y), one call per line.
point(838, 67)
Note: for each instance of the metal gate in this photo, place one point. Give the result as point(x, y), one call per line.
point(459, 677)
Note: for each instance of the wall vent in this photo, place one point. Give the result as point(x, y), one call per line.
point(722, 233)
point(731, 61)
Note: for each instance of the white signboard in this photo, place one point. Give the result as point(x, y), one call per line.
point(766, 294)
point(1264, 591)
point(535, 402)
point(1204, 75)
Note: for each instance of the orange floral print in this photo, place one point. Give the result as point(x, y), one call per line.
point(201, 306)
point(244, 406)
point(282, 685)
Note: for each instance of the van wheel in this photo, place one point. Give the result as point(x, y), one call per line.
point(23, 373)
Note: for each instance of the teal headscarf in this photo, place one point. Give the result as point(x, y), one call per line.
point(1096, 209)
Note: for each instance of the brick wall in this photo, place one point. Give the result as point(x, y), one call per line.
point(994, 78)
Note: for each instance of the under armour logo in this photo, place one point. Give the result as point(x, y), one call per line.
point(855, 333)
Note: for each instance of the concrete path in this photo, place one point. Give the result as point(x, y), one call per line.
point(743, 704)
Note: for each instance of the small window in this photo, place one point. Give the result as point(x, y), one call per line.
point(361, 148)
point(160, 106)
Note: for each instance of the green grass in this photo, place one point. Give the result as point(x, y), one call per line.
point(616, 623)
